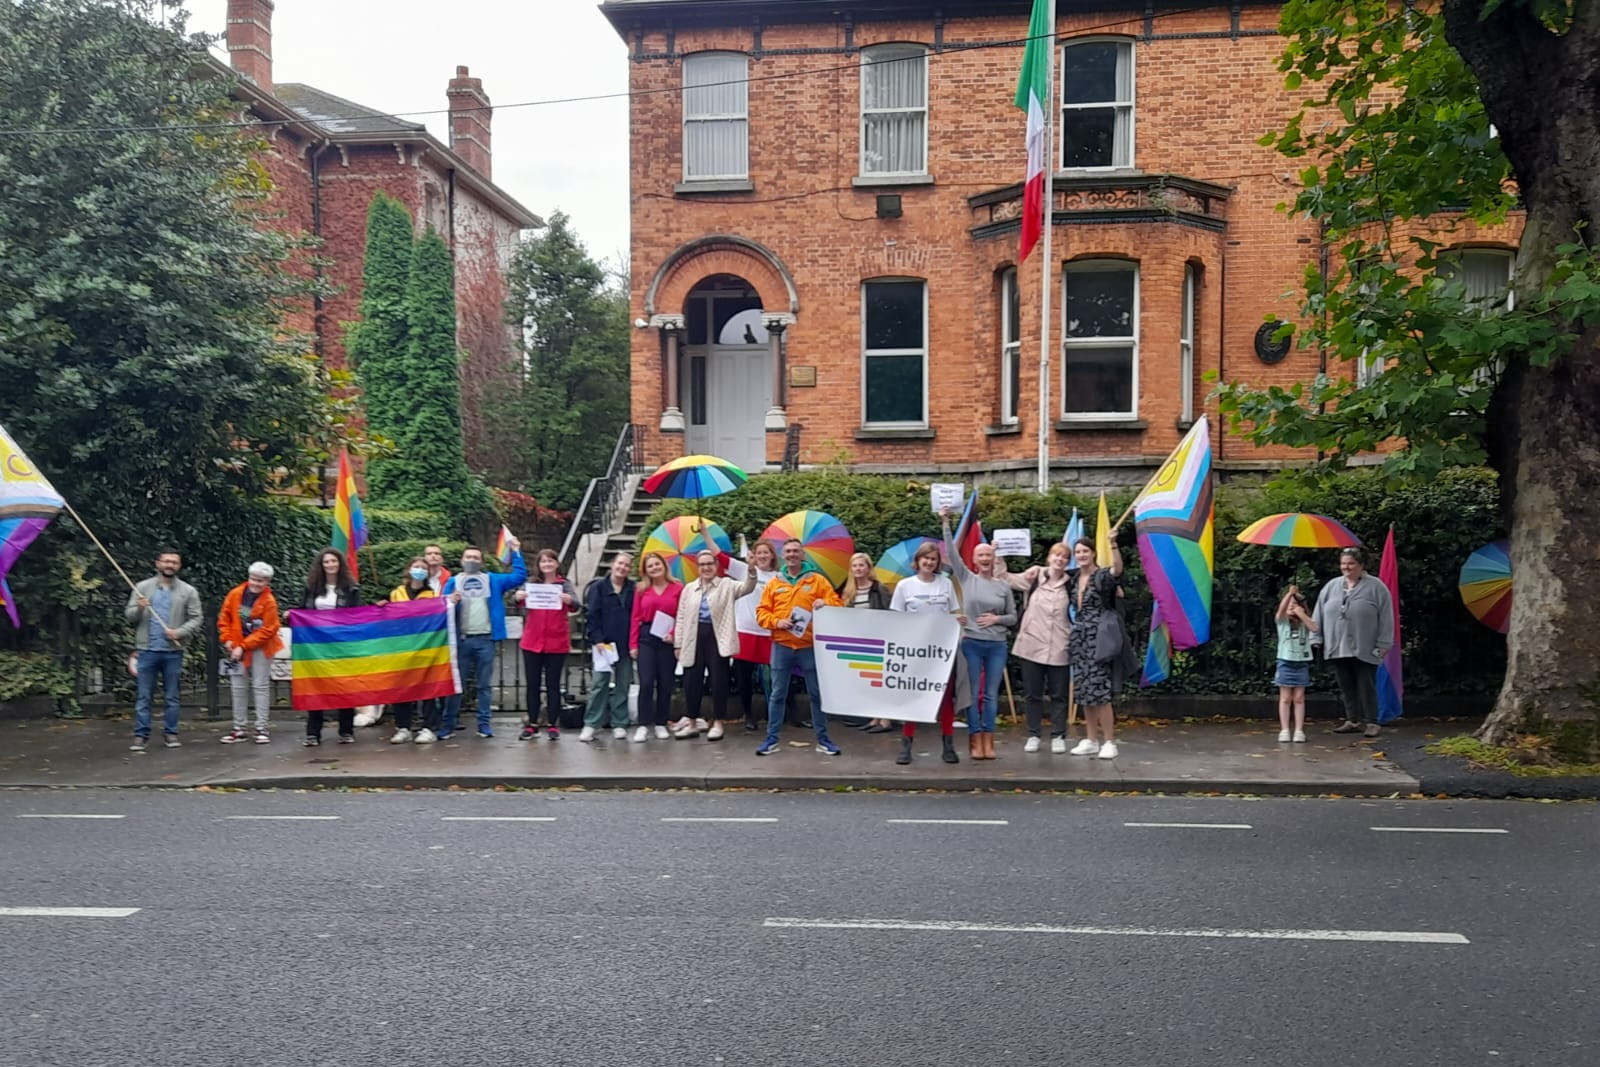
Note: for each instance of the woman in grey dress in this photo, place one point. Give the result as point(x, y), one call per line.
point(1094, 592)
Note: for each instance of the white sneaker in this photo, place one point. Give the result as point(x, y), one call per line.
point(642, 734)
point(1058, 745)
point(400, 737)
point(586, 734)
point(1086, 747)
point(702, 725)
point(1283, 736)
point(1299, 737)
point(1032, 745)
point(1108, 750)
point(661, 733)
point(425, 736)
point(619, 733)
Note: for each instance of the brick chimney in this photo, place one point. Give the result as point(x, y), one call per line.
point(470, 115)
point(250, 40)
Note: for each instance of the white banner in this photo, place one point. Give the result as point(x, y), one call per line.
point(885, 664)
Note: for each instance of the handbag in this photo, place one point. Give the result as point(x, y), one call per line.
point(1109, 637)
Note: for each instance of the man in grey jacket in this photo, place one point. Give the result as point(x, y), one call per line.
point(165, 612)
point(1354, 624)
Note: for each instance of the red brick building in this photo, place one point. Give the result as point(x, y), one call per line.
point(826, 199)
point(328, 156)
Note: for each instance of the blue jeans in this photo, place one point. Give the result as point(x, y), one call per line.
point(169, 665)
point(989, 659)
point(474, 657)
point(784, 660)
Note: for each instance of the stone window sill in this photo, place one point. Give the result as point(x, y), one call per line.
point(1003, 429)
point(885, 181)
point(884, 433)
point(1095, 425)
point(724, 186)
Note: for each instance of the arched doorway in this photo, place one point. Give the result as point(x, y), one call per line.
point(726, 371)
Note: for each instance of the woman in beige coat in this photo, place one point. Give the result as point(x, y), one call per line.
point(706, 635)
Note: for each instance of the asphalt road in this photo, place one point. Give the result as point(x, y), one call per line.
point(446, 928)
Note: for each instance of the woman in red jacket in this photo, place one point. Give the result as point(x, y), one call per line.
point(655, 656)
point(248, 626)
point(546, 641)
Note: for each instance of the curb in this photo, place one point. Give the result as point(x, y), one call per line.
point(1455, 776)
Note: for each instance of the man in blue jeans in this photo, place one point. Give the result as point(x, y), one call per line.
point(165, 612)
point(480, 605)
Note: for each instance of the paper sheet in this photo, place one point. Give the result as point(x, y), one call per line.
point(661, 626)
point(946, 496)
point(542, 596)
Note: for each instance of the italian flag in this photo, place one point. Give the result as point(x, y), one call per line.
point(1033, 97)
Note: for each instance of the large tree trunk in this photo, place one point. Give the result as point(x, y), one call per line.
point(1542, 91)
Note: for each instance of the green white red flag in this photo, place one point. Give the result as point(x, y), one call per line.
point(1033, 97)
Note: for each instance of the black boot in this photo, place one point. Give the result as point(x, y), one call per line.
point(950, 750)
point(905, 752)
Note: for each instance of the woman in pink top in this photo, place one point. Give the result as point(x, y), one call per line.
point(546, 641)
point(1042, 646)
point(658, 662)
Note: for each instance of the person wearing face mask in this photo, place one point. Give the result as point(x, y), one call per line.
point(1042, 639)
point(480, 605)
point(165, 611)
point(415, 587)
point(248, 628)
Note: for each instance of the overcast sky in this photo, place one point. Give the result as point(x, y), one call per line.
point(398, 56)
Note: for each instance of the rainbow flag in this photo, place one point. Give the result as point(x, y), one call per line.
point(27, 504)
point(384, 654)
point(349, 522)
point(1391, 682)
point(502, 544)
point(1174, 519)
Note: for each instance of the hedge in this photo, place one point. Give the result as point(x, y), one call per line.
point(1437, 523)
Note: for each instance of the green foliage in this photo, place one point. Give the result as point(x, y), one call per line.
point(1529, 756)
point(377, 343)
point(385, 524)
point(1438, 522)
point(429, 468)
point(141, 347)
point(574, 393)
point(25, 674)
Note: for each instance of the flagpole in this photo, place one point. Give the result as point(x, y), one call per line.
point(109, 557)
point(1045, 260)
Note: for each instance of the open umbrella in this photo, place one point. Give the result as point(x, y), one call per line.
point(680, 539)
point(898, 560)
point(1486, 585)
point(1299, 530)
point(695, 477)
point(828, 544)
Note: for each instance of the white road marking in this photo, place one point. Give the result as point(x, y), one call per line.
point(1193, 825)
point(1415, 937)
point(72, 816)
point(497, 818)
point(1440, 830)
point(708, 818)
point(69, 913)
point(950, 822)
point(282, 818)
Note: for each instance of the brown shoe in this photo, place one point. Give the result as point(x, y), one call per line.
point(988, 746)
point(975, 746)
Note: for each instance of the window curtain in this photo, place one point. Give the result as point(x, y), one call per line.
point(894, 110)
point(715, 116)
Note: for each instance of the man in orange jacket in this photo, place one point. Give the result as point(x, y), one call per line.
point(786, 607)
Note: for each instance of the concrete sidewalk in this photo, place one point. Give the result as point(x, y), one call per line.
point(1157, 756)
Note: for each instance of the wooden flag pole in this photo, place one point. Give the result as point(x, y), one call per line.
point(112, 559)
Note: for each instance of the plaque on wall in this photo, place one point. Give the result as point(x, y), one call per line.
point(1269, 347)
point(802, 377)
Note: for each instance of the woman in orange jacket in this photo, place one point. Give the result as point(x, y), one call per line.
point(248, 626)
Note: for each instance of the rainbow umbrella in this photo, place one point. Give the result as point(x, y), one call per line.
point(898, 561)
point(828, 544)
point(1299, 530)
point(1486, 585)
point(680, 539)
point(695, 477)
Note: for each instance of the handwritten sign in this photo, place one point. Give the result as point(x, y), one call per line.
point(1013, 542)
point(946, 496)
point(542, 596)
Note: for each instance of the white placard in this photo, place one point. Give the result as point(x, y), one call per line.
point(661, 626)
point(542, 596)
point(946, 496)
point(744, 615)
point(1012, 542)
point(738, 569)
point(885, 664)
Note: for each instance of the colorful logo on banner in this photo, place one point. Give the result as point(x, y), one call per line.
point(888, 664)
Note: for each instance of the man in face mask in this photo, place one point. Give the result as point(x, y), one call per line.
point(480, 606)
point(165, 612)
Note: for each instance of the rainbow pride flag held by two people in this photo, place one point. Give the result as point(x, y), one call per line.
point(1175, 523)
point(383, 654)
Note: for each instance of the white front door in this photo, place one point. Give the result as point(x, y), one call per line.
point(730, 390)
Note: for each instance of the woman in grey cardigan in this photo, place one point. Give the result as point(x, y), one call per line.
point(991, 613)
point(1354, 624)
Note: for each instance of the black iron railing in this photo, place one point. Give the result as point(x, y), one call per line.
point(603, 498)
point(791, 448)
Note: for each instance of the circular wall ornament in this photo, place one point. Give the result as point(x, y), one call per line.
point(1271, 349)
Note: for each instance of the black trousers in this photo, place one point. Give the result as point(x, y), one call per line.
point(347, 722)
point(1044, 688)
point(407, 713)
point(1358, 686)
point(544, 671)
point(658, 666)
point(707, 661)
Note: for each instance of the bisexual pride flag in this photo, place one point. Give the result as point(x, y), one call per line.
point(384, 654)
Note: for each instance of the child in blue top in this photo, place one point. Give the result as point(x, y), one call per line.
point(1294, 662)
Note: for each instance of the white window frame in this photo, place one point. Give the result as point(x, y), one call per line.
point(740, 117)
point(1069, 342)
point(1456, 256)
point(866, 62)
point(1370, 366)
point(867, 354)
point(1191, 285)
point(1129, 105)
point(1010, 348)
